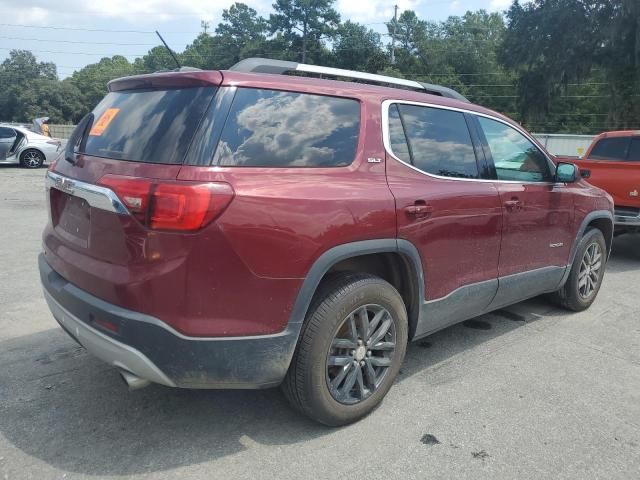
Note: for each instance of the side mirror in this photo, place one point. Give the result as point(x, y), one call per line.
point(566, 173)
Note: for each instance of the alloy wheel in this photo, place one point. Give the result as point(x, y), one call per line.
point(360, 354)
point(32, 159)
point(590, 270)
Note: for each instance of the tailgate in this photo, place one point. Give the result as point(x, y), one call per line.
point(142, 129)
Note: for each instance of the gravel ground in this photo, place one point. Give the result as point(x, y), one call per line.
point(528, 392)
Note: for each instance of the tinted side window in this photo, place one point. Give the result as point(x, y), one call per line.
point(439, 141)
point(634, 150)
point(7, 132)
point(515, 157)
point(270, 128)
point(610, 149)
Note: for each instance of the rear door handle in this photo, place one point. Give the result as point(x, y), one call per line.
point(513, 205)
point(419, 210)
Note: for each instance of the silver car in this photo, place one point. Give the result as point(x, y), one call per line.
point(29, 149)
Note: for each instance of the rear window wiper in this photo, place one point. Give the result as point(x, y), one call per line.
point(77, 139)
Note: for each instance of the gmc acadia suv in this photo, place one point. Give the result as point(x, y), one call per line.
point(248, 229)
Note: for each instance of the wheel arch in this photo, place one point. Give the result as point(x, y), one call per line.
point(397, 261)
point(605, 225)
point(600, 219)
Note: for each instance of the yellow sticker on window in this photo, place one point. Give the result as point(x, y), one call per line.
point(104, 121)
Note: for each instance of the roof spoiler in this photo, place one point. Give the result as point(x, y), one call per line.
point(280, 67)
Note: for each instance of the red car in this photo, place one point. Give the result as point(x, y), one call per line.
point(613, 164)
point(249, 229)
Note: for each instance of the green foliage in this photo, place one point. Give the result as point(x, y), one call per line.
point(358, 48)
point(577, 63)
point(556, 65)
point(459, 53)
point(91, 80)
point(30, 89)
point(304, 24)
point(241, 34)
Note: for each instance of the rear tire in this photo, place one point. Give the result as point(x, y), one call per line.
point(587, 273)
point(31, 158)
point(339, 375)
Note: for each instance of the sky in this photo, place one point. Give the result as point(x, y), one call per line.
point(74, 33)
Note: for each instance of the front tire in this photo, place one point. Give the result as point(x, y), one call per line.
point(350, 350)
point(587, 273)
point(31, 158)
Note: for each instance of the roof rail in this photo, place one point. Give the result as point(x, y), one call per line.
point(181, 69)
point(279, 67)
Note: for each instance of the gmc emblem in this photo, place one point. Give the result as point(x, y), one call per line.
point(65, 184)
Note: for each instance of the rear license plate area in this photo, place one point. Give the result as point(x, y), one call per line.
point(71, 217)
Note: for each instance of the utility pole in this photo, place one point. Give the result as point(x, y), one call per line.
point(205, 26)
point(393, 35)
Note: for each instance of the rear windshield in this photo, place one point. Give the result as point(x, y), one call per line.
point(154, 126)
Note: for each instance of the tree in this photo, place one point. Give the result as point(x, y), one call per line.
point(91, 81)
point(459, 53)
point(409, 32)
point(242, 24)
point(204, 53)
point(554, 45)
point(18, 75)
point(305, 23)
point(242, 33)
point(358, 48)
point(156, 59)
point(45, 97)
point(466, 48)
point(556, 65)
point(22, 66)
point(621, 60)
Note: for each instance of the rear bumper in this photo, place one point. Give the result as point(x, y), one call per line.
point(627, 221)
point(151, 349)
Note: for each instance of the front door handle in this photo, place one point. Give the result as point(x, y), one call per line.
point(419, 210)
point(513, 205)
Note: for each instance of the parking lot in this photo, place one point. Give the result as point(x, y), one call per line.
point(528, 392)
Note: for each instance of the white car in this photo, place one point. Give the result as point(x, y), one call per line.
point(29, 149)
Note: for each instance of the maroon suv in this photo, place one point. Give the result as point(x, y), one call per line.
point(248, 229)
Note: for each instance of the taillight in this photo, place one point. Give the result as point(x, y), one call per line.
point(177, 205)
point(52, 165)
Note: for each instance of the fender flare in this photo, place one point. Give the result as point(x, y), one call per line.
point(349, 250)
point(595, 215)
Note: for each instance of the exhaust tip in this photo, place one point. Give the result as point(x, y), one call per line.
point(133, 381)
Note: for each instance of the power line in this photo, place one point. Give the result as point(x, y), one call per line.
point(80, 42)
point(75, 28)
point(104, 54)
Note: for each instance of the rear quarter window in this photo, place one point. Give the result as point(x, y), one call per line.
point(634, 150)
point(614, 149)
point(271, 128)
point(154, 126)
